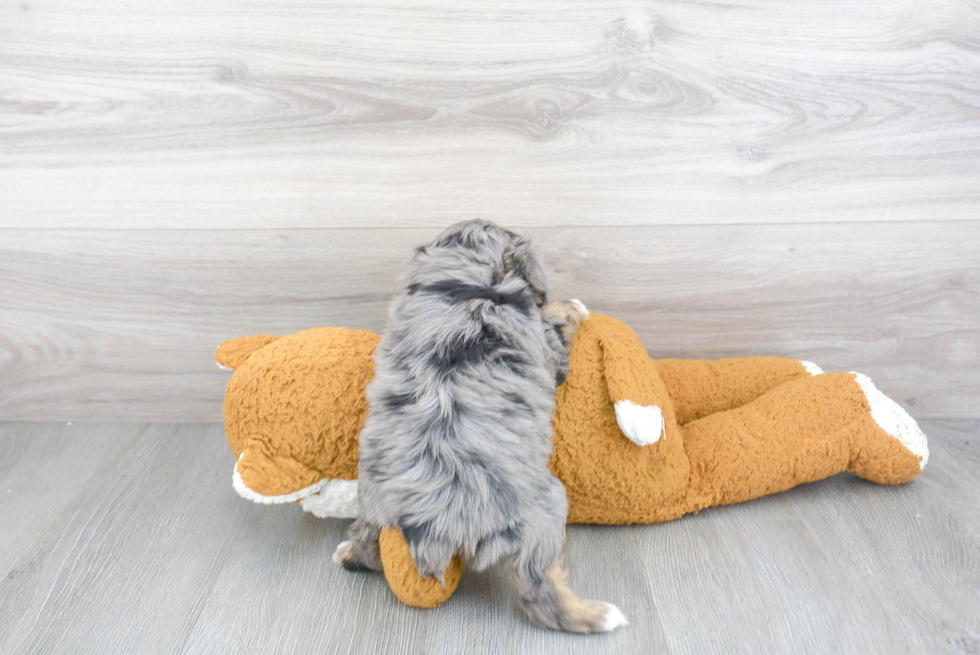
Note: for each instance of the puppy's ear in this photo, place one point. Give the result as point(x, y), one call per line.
point(522, 260)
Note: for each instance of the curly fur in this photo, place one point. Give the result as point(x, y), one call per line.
point(455, 448)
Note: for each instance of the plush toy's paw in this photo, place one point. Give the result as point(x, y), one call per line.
point(893, 419)
point(641, 424)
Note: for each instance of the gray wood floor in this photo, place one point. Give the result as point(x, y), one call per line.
point(129, 538)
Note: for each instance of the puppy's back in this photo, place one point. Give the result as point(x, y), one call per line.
point(456, 445)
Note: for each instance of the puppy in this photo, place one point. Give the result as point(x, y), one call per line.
point(455, 448)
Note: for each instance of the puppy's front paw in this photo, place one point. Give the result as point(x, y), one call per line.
point(344, 552)
point(568, 312)
point(346, 556)
point(583, 310)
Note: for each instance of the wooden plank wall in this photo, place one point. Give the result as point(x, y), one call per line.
point(790, 178)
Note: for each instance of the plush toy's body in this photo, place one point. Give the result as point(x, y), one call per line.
point(636, 441)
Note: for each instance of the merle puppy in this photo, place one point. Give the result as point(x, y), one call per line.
point(455, 448)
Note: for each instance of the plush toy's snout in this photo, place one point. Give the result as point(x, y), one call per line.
point(293, 410)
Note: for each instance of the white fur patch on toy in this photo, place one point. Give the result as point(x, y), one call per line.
point(893, 419)
point(642, 424)
point(336, 499)
point(326, 498)
point(262, 499)
point(811, 368)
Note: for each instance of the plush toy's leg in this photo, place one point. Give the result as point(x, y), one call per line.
point(896, 422)
point(360, 552)
point(804, 430)
point(700, 388)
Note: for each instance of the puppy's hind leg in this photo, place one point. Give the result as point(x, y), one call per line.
point(360, 552)
point(538, 580)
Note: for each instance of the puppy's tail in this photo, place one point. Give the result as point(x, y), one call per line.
point(233, 352)
point(548, 601)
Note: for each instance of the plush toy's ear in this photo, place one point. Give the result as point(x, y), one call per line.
point(233, 352)
point(643, 408)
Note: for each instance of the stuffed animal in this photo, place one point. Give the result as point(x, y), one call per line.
point(636, 440)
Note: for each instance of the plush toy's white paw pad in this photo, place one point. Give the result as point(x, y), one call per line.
point(613, 618)
point(894, 420)
point(581, 306)
point(340, 554)
point(811, 368)
point(336, 499)
point(642, 424)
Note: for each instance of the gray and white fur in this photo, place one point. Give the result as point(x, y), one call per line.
point(455, 448)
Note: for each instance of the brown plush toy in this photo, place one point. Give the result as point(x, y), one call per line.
point(636, 440)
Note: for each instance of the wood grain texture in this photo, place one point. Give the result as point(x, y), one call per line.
point(123, 324)
point(206, 114)
point(149, 550)
point(26, 465)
